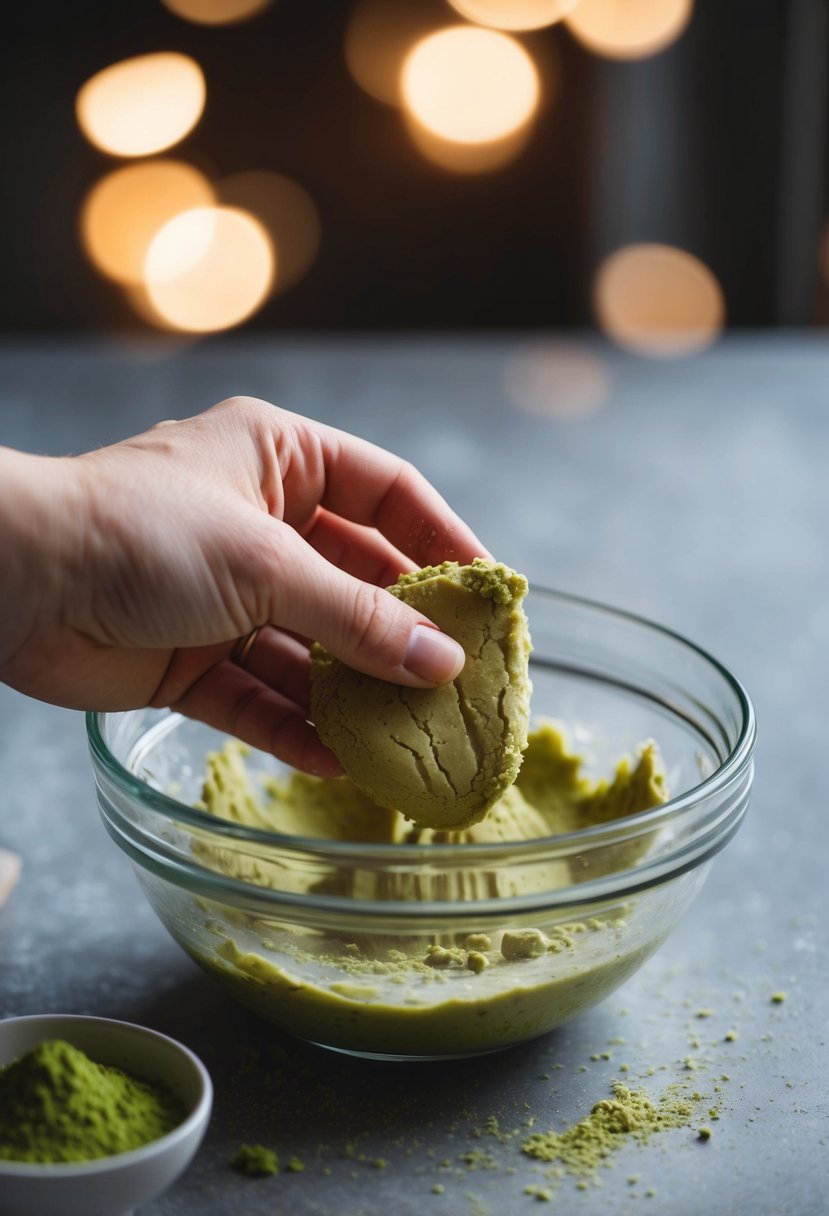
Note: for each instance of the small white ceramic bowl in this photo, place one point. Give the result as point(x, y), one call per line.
point(107, 1186)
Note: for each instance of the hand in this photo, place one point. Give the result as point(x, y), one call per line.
point(140, 565)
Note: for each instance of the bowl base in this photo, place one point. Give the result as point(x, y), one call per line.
point(394, 1057)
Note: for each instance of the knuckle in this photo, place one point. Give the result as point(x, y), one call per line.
point(250, 410)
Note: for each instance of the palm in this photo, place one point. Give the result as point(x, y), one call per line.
point(199, 531)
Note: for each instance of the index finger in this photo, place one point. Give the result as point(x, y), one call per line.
point(368, 485)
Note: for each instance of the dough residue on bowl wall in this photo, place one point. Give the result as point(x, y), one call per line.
point(382, 992)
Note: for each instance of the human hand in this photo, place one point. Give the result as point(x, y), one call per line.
point(141, 564)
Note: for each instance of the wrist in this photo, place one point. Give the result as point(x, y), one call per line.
point(41, 509)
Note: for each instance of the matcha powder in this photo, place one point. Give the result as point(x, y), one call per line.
point(580, 1149)
point(58, 1105)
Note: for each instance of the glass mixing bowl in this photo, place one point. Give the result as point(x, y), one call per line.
point(412, 951)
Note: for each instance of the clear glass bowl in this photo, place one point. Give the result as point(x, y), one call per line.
point(330, 940)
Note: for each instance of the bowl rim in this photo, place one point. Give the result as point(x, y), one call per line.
point(66, 1170)
point(735, 766)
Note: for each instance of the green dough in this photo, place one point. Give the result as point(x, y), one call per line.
point(551, 796)
point(475, 990)
point(440, 756)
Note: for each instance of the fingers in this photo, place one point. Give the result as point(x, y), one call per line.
point(283, 663)
point(234, 701)
point(364, 625)
point(369, 486)
point(358, 550)
point(276, 659)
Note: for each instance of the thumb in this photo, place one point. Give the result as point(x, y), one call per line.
point(363, 625)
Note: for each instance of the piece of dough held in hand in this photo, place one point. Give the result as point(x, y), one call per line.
point(441, 756)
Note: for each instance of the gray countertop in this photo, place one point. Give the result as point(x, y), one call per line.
point(695, 493)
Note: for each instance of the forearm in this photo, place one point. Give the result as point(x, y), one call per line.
point(40, 546)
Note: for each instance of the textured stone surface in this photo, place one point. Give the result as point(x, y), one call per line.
point(696, 494)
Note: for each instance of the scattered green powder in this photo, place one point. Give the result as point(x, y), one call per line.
point(777, 998)
point(256, 1161)
point(704, 1133)
point(542, 1193)
point(438, 1188)
point(295, 1166)
point(58, 1105)
point(630, 1113)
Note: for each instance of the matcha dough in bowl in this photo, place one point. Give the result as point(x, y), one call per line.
point(440, 756)
point(345, 924)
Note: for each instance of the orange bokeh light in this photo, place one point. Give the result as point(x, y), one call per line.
point(124, 210)
point(209, 269)
point(557, 379)
point(288, 214)
point(514, 14)
point(216, 12)
point(629, 29)
point(470, 86)
point(467, 158)
point(379, 36)
point(143, 105)
point(658, 300)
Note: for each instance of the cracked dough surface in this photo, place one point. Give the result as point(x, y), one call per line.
point(441, 756)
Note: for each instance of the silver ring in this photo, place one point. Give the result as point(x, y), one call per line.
point(244, 645)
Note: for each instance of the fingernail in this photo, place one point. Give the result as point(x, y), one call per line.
point(433, 656)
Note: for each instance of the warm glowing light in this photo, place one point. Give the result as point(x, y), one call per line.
point(209, 269)
point(469, 85)
point(629, 29)
point(379, 36)
point(124, 210)
point(559, 379)
point(142, 105)
point(287, 213)
point(468, 158)
point(514, 14)
point(216, 12)
point(658, 300)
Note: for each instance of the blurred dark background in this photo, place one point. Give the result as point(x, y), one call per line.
point(716, 144)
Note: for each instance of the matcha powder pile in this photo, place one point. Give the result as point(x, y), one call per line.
point(580, 1149)
point(58, 1105)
